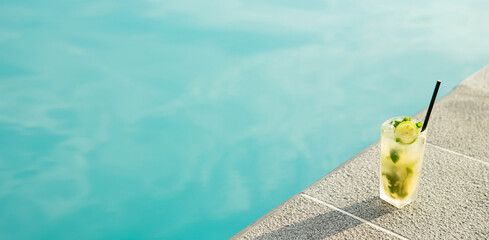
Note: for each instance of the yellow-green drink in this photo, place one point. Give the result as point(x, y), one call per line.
point(402, 147)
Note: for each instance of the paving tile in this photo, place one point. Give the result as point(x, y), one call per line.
point(303, 218)
point(460, 122)
point(453, 200)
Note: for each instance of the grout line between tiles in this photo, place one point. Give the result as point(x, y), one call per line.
point(456, 153)
point(353, 216)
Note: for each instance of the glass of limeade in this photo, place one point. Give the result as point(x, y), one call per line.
point(402, 146)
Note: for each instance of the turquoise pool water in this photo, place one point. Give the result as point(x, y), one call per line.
point(191, 119)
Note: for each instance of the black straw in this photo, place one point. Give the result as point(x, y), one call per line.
point(427, 118)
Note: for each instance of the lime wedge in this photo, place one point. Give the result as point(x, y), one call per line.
point(405, 130)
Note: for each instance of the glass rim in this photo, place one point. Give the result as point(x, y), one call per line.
point(387, 123)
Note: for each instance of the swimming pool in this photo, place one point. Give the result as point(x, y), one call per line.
point(189, 120)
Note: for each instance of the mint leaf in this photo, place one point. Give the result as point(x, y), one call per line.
point(396, 122)
point(394, 182)
point(394, 155)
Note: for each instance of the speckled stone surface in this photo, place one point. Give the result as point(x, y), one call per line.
point(453, 200)
point(460, 122)
point(302, 218)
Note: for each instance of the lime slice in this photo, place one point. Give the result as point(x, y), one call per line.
point(405, 130)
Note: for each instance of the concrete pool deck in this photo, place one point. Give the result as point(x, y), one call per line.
point(453, 200)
